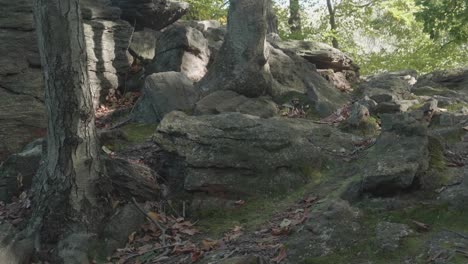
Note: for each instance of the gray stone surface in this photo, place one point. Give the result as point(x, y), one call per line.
point(22, 112)
point(17, 171)
point(329, 228)
point(399, 156)
point(182, 49)
point(293, 76)
point(322, 55)
point(229, 101)
point(389, 235)
point(143, 44)
point(154, 14)
point(165, 92)
point(236, 155)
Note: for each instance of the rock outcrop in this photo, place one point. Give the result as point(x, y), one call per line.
point(182, 49)
point(17, 171)
point(395, 162)
point(22, 112)
point(165, 92)
point(234, 155)
point(153, 14)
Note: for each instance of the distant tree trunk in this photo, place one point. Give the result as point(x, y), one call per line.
point(295, 18)
point(332, 13)
point(65, 196)
point(272, 19)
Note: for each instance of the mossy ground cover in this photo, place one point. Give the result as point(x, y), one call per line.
point(135, 133)
point(439, 217)
point(256, 212)
point(456, 107)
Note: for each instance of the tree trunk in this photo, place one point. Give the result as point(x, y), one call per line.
point(332, 12)
point(295, 18)
point(65, 197)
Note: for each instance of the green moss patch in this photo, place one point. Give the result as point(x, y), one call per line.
point(135, 133)
point(456, 107)
point(139, 133)
point(438, 216)
point(436, 154)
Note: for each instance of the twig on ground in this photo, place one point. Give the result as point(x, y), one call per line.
point(156, 222)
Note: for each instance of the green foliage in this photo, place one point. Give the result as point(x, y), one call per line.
point(445, 19)
point(386, 35)
point(207, 10)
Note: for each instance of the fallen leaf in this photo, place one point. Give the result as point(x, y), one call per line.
point(155, 216)
point(196, 255)
point(189, 231)
point(208, 244)
point(131, 237)
point(281, 255)
point(421, 226)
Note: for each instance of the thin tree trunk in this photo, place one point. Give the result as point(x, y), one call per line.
point(333, 26)
point(295, 18)
point(65, 196)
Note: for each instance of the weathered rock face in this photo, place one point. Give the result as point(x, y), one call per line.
point(154, 14)
point(294, 76)
point(400, 155)
point(389, 235)
point(182, 49)
point(107, 39)
point(234, 155)
point(229, 101)
point(241, 64)
point(391, 91)
point(329, 228)
point(320, 54)
point(18, 170)
point(165, 92)
point(143, 44)
point(450, 84)
point(22, 113)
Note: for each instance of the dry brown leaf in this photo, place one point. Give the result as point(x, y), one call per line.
point(131, 237)
point(155, 216)
point(196, 256)
point(281, 255)
point(208, 244)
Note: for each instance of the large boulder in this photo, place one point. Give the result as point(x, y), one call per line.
point(17, 171)
point(391, 91)
point(398, 158)
point(153, 14)
point(236, 156)
point(182, 49)
point(107, 39)
point(162, 93)
point(450, 84)
point(293, 76)
point(241, 64)
point(22, 111)
point(143, 44)
point(322, 55)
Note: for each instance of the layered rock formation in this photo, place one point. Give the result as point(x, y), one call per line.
point(22, 112)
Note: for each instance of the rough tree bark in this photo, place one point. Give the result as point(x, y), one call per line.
point(295, 18)
point(333, 26)
point(65, 197)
